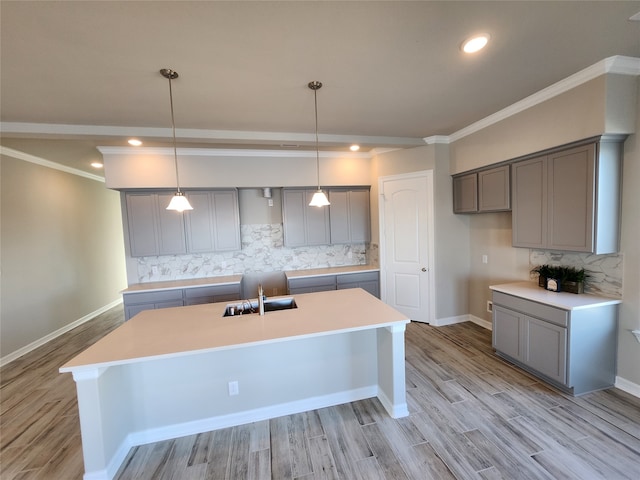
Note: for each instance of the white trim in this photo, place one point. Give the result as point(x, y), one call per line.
point(444, 139)
point(236, 152)
point(241, 418)
point(18, 155)
point(399, 410)
point(47, 338)
point(441, 322)
point(481, 321)
point(617, 64)
point(627, 386)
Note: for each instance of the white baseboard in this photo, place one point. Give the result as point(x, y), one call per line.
point(441, 322)
point(47, 338)
point(627, 386)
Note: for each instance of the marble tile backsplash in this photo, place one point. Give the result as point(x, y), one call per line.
point(605, 271)
point(263, 250)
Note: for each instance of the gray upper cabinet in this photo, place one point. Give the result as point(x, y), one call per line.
point(494, 192)
point(482, 191)
point(569, 200)
point(213, 224)
point(152, 229)
point(303, 225)
point(465, 193)
point(349, 215)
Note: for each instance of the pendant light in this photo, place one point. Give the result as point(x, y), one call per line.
point(319, 199)
point(179, 202)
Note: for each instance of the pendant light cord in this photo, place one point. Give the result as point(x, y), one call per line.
point(315, 100)
point(173, 130)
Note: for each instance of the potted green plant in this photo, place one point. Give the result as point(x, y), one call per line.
point(544, 272)
point(573, 279)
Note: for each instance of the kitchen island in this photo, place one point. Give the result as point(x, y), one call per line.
point(179, 371)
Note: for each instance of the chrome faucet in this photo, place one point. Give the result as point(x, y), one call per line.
point(260, 299)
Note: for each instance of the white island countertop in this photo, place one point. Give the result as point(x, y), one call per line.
point(187, 283)
point(179, 331)
point(563, 300)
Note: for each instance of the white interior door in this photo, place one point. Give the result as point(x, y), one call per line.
point(406, 244)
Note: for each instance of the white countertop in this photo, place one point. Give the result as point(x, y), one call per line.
point(178, 331)
point(175, 284)
point(318, 272)
point(563, 300)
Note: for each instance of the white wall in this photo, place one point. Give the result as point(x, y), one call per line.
point(61, 250)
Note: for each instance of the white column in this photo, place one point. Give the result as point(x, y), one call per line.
point(391, 370)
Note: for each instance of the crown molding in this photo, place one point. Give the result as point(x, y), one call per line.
point(18, 155)
point(443, 139)
point(618, 65)
point(236, 152)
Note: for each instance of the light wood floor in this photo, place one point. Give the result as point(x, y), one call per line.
point(472, 416)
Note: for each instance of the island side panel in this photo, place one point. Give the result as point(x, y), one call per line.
point(392, 390)
point(105, 419)
point(190, 394)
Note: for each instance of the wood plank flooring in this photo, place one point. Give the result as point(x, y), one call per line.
point(473, 416)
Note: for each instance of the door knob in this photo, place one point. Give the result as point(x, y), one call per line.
point(424, 269)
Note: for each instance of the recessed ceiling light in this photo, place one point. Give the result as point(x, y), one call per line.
point(96, 165)
point(354, 148)
point(475, 43)
point(134, 142)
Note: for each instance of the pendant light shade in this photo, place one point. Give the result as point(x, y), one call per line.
point(179, 202)
point(319, 198)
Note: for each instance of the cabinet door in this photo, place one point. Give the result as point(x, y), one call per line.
point(349, 216)
point(571, 199)
point(529, 207)
point(199, 223)
point(508, 332)
point(493, 190)
point(226, 220)
point(171, 236)
point(214, 223)
point(142, 224)
point(303, 225)
point(465, 193)
point(546, 350)
point(368, 281)
point(321, 283)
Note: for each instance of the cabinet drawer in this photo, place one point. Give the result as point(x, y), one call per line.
point(211, 291)
point(319, 281)
point(535, 309)
point(153, 297)
point(357, 277)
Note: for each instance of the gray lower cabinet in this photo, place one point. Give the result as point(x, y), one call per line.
point(213, 225)
point(574, 350)
point(569, 200)
point(135, 303)
point(369, 281)
point(211, 294)
point(320, 283)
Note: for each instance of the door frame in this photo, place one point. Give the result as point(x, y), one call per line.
point(428, 176)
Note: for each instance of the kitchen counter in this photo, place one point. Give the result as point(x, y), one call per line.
point(179, 371)
point(317, 272)
point(563, 300)
point(182, 284)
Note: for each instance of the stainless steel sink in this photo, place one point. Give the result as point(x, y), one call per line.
point(250, 307)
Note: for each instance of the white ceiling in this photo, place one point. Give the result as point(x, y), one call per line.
point(393, 72)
